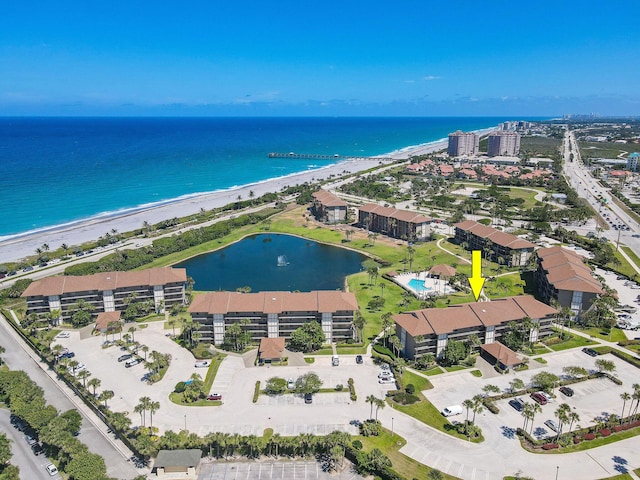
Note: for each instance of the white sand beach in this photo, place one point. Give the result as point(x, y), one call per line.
point(76, 233)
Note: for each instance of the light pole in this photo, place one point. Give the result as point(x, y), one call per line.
point(185, 421)
point(391, 426)
point(557, 469)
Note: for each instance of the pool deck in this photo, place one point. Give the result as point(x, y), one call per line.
point(433, 286)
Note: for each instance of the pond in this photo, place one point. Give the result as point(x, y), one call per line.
point(274, 262)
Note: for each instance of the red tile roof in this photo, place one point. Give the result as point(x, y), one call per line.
point(389, 212)
point(322, 301)
point(271, 348)
point(476, 314)
point(328, 199)
point(502, 353)
point(105, 318)
point(496, 236)
point(105, 281)
point(565, 270)
point(443, 270)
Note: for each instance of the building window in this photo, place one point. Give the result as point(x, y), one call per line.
point(576, 301)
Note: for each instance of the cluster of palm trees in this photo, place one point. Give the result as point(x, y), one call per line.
point(379, 403)
point(633, 405)
point(475, 405)
point(145, 404)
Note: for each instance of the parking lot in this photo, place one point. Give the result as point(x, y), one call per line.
point(592, 399)
point(288, 414)
point(300, 470)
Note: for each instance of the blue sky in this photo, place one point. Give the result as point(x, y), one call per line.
point(346, 57)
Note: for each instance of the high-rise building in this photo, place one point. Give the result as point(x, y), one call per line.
point(505, 143)
point(461, 143)
point(632, 161)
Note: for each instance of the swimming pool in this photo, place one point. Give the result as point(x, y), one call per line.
point(418, 286)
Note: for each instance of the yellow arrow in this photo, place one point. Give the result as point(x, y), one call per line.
point(476, 280)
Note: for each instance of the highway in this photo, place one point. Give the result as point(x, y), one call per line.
point(589, 188)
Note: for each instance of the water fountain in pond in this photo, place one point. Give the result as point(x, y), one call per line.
point(282, 261)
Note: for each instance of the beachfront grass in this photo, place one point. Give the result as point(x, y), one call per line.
point(525, 193)
point(404, 465)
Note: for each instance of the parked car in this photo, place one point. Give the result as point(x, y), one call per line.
point(541, 399)
point(568, 391)
point(590, 351)
point(308, 398)
point(547, 396)
point(452, 410)
point(30, 440)
point(517, 403)
point(63, 335)
point(214, 396)
point(67, 355)
point(124, 357)
point(37, 449)
point(132, 362)
point(51, 469)
point(291, 384)
point(202, 363)
point(552, 425)
point(78, 368)
point(384, 380)
point(359, 359)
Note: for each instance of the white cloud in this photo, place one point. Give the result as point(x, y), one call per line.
point(432, 77)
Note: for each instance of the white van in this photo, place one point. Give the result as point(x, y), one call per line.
point(452, 410)
point(335, 360)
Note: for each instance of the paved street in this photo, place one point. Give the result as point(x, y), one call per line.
point(30, 465)
point(93, 433)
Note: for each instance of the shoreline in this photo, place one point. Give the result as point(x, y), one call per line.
point(20, 245)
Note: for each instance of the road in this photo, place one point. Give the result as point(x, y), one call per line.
point(589, 188)
point(30, 465)
point(93, 433)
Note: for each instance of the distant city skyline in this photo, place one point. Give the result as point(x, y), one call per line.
point(331, 58)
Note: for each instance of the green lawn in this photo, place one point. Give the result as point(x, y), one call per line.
point(390, 446)
point(418, 381)
point(632, 255)
point(597, 442)
point(540, 360)
point(573, 342)
point(177, 399)
point(615, 335)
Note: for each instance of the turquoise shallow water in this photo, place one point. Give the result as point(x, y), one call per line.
point(58, 170)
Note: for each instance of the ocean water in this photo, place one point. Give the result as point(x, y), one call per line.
point(58, 170)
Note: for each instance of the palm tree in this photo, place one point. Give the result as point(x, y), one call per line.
point(527, 413)
point(358, 323)
point(573, 417)
point(625, 398)
point(83, 375)
point(105, 396)
point(153, 407)
point(371, 399)
point(477, 407)
point(535, 408)
point(468, 404)
point(94, 383)
point(143, 406)
point(132, 331)
point(145, 349)
point(562, 414)
point(380, 403)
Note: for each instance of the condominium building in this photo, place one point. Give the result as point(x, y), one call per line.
point(499, 247)
point(504, 143)
point(429, 330)
point(563, 276)
point(274, 314)
point(107, 291)
point(394, 223)
point(461, 143)
point(632, 161)
point(328, 208)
